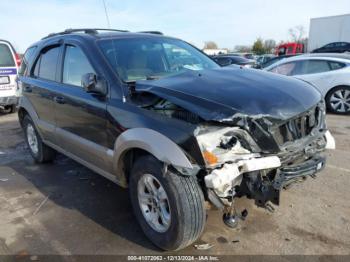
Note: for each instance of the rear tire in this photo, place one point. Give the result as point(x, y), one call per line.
point(184, 204)
point(39, 151)
point(13, 109)
point(338, 100)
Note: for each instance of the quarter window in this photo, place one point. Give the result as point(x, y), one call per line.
point(335, 65)
point(286, 69)
point(26, 58)
point(75, 66)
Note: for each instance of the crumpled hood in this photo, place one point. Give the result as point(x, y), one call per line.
point(221, 94)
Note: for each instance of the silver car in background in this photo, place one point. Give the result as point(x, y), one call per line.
point(330, 73)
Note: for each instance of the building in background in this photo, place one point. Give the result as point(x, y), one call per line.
point(325, 30)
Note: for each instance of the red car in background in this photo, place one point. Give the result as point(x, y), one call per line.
point(289, 49)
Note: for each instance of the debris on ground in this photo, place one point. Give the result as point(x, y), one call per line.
point(235, 241)
point(222, 240)
point(287, 239)
point(41, 204)
point(205, 246)
point(4, 179)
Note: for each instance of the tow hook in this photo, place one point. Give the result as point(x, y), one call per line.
point(231, 217)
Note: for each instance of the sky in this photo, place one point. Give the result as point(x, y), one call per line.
point(228, 23)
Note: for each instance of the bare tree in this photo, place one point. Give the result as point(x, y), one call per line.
point(269, 45)
point(243, 48)
point(210, 45)
point(297, 33)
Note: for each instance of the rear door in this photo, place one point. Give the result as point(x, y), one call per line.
point(80, 116)
point(318, 72)
point(8, 72)
point(40, 87)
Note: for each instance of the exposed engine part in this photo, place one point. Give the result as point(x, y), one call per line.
point(171, 110)
point(230, 218)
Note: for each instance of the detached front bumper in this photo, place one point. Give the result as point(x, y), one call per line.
point(8, 100)
point(255, 183)
point(290, 174)
point(263, 190)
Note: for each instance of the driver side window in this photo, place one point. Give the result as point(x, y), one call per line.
point(75, 66)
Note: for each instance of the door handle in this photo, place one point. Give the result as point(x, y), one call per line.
point(59, 99)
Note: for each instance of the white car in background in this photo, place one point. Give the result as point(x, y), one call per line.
point(9, 64)
point(331, 75)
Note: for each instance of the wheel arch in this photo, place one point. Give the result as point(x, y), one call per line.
point(140, 141)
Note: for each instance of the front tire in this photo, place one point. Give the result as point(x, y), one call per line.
point(338, 100)
point(169, 207)
point(39, 151)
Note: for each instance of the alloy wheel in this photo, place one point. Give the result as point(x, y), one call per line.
point(154, 203)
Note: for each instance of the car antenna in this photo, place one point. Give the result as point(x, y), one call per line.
point(106, 13)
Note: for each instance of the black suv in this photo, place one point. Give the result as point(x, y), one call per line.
point(155, 114)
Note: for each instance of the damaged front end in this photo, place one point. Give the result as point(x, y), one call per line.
point(260, 156)
point(255, 137)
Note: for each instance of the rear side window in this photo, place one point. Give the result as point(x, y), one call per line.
point(46, 65)
point(286, 69)
point(335, 65)
point(75, 66)
point(28, 55)
point(314, 67)
point(6, 57)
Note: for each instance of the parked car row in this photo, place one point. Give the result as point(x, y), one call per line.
point(329, 74)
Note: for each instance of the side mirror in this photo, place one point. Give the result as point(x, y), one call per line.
point(94, 84)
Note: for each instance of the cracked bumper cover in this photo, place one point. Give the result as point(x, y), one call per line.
point(220, 182)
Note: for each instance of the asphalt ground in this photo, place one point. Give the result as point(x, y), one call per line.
point(65, 209)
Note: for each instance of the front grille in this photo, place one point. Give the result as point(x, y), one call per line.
point(299, 127)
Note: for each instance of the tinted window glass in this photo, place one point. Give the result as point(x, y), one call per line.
point(6, 58)
point(75, 66)
point(142, 58)
point(314, 67)
point(46, 66)
point(223, 60)
point(329, 45)
point(284, 69)
point(28, 55)
point(335, 65)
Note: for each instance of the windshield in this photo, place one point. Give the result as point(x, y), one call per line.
point(152, 58)
point(6, 58)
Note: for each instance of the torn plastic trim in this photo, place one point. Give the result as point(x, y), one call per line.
point(330, 141)
point(223, 180)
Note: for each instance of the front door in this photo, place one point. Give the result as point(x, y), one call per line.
point(80, 116)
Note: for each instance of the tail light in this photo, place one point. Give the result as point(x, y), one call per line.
point(18, 60)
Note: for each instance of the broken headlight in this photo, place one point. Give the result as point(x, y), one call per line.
point(220, 145)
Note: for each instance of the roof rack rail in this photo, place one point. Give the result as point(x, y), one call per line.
point(151, 32)
point(83, 30)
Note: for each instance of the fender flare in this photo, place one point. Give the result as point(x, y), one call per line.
point(151, 141)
